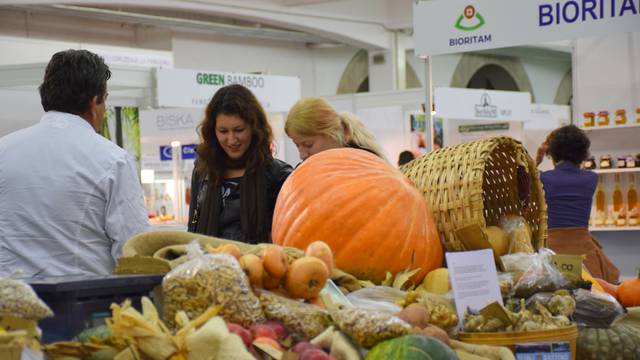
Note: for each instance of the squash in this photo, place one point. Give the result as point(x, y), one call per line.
point(437, 281)
point(498, 239)
point(620, 341)
point(608, 287)
point(368, 212)
point(410, 347)
point(595, 285)
point(629, 292)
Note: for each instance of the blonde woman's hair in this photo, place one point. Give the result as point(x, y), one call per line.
point(315, 116)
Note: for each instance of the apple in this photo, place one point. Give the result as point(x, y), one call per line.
point(278, 328)
point(314, 354)
point(302, 346)
point(244, 334)
point(263, 330)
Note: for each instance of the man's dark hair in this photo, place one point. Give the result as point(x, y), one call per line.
point(405, 157)
point(72, 79)
point(569, 143)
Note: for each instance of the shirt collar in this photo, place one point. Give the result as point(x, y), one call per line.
point(63, 120)
point(567, 165)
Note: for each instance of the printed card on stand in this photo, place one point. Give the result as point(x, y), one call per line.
point(474, 280)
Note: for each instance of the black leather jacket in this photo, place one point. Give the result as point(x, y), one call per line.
point(276, 175)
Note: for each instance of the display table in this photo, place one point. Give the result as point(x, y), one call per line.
point(80, 302)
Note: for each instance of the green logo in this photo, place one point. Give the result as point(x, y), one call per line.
point(470, 20)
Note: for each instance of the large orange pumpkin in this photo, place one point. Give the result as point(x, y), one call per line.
point(369, 213)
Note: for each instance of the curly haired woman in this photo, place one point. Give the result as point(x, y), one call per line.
point(569, 194)
point(236, 180)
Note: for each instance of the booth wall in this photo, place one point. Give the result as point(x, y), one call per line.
point(544, 73)
point(13, 117)
point(608, 78)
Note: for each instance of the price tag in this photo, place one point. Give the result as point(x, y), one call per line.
point(569, 265)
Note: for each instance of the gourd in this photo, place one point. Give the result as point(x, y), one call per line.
point(411, 347)
point(498, 239)
point(608, 287)
point(595, 284)
point(629, 292)
point(437, 281)
point(620, 341)
point(369, 213)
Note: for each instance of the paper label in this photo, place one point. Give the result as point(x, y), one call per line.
point(569, 265)
point(543, 351)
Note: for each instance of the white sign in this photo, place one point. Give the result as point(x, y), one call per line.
point(453, 26)
point(141, 59)
point(474, 280)
point(472, 104)
point(194, 88)
point(162, 126)
point(548, 117)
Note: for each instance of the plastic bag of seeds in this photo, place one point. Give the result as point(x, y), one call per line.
point(207, 280)
point(369, 327)
point(304, 321)
point(18, 299)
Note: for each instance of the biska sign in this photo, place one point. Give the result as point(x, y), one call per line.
point(194, 89)
point(453, 26)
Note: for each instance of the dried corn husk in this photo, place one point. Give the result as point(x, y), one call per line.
point(145, 331)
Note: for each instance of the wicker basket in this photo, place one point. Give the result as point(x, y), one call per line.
point(478, 183)
point(511, 339)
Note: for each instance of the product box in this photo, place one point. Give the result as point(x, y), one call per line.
point(543, 351)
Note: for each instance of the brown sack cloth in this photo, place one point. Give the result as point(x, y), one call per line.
point(578, 241)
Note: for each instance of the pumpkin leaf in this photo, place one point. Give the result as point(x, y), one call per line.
point(403, 277)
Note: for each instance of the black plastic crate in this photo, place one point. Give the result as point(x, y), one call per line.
point(81, 302)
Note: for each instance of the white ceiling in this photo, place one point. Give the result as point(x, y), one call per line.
point(360, 23)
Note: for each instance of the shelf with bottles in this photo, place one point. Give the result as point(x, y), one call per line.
point(616, 208)
point(605, 120)
point(613, 228)
point(609, 165)
point(616, 170)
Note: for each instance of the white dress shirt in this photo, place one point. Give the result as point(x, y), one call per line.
point(69, 199)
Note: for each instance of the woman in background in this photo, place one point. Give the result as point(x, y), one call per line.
point(405, 157)
point(314, 126)
point(568, 191)
point(236, 180)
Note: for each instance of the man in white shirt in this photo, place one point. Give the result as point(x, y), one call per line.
point(69, 198)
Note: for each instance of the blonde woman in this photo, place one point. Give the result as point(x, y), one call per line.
point(314, 126)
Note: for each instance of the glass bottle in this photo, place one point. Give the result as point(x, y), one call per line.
point(621, 117)
point(603, 118)
point(618, 203)
point(632, 202)
point(601, 204)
